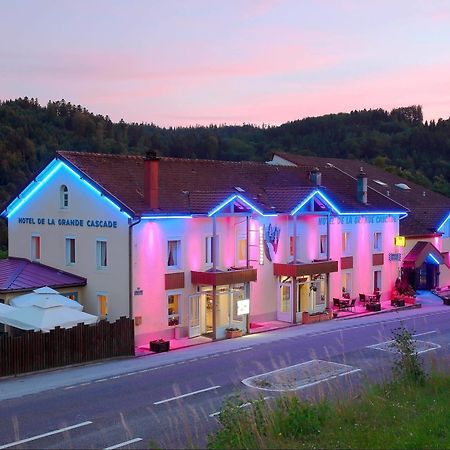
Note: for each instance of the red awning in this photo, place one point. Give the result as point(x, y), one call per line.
point(422, 252)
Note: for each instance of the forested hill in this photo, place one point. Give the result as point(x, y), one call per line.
point(398, 140)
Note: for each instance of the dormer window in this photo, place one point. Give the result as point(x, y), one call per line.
point(64, 197)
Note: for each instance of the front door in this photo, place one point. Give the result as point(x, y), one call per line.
point(194, 315)
point(285, 303)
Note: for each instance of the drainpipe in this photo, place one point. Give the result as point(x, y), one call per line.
point(247, 249)
point(294, 279)
point(130, 267)
point(214, 244)
point(327, 276)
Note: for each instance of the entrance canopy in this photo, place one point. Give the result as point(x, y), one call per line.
point(422, 252)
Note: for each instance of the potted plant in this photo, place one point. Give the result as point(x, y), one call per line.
point(159, 346)
point(233, 333)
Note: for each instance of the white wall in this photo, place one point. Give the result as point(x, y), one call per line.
point(84, 204)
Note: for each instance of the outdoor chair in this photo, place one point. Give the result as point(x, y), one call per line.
point(362, 298)
point(336, 303)
point(352, 304)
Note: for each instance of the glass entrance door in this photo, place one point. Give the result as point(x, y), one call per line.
point(284, 310)
point(194, 315)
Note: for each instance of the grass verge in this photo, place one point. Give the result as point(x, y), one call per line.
point(403, 414)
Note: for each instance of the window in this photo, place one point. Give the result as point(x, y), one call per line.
point(345, 242)
point(242, 250)
point(35, 248)
point(102, 300)
point(173, 253)
point(70, 251)
point(64, 197)
point(346, 283)
point(377, 280)
point(208, 249)
point(377, 241)
point(291, 245)
point(102, 254)
point(72, 295)
point(323, 244)
point(173, 314)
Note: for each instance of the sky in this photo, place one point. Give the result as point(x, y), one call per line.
point(199, 62)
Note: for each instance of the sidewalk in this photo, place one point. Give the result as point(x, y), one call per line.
point(14, 387)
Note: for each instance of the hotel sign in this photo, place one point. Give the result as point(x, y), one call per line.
point(90, 223)
point(243, 307)
point(349, 220)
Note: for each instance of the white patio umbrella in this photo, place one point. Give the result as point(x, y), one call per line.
point(44, 297)
point(7, 318)
point(46, 318)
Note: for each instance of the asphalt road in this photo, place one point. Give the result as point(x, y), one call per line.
point(172, 401)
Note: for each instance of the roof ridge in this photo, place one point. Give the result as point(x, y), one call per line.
point(164, 158)
point(16, 273)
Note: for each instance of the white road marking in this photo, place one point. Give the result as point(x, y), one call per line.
point(102, 379)
point(384, 346)
point(50, 433)
point(241, 349)
point(250, 383)
point(423, 334)
point(122, 444)
point(244, 405)
point(186, 395)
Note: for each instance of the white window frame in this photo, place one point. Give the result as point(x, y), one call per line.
point(344, 274)
point(346, 238)
point(67, 239)
point(241, 237)
point(378, 243)
point(63, 197)
point(381, 278)
point(178, 264)
point(180, 302)
point(324, 253)
point(98, 253)
point(33, 247)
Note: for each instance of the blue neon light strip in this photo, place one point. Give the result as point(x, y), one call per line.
point(433, 258)
point(243, 200)
point(443, 223)
point(40, 183)
point(336, 209)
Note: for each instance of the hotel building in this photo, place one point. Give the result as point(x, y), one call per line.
point(192, 247)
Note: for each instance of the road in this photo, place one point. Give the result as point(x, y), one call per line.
point(172, 399)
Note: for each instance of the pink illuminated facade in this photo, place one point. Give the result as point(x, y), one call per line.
point(193, 247)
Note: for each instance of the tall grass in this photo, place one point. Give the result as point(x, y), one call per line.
point(411, 412)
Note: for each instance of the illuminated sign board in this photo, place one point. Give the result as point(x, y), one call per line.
point(261, 245)
point(90, 223)
point(243, 307)
point(400, 241)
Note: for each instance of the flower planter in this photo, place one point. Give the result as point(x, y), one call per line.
point(410, 300)
point(159, 346)
point(398, 302)
point(316, 317)
point(233, 334)
point(373, 307)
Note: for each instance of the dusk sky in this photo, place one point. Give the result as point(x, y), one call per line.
point(188, 62)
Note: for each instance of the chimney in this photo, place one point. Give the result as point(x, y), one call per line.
point(361, 187)
point(151, 169)
point(315, 176)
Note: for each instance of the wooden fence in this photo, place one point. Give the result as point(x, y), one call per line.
point(61, 347)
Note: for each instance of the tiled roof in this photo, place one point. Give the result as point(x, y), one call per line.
point(427, 208)
point(19, 274)
point(197, 186)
